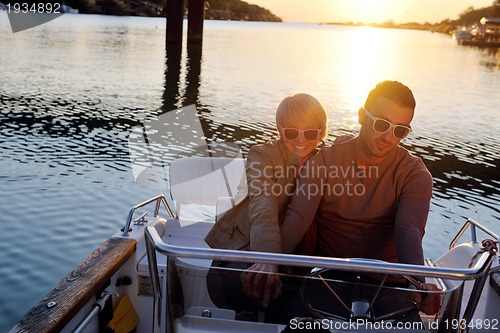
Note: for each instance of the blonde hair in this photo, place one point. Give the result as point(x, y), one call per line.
point(304, 109)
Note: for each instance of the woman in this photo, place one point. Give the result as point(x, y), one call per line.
point(254, 224)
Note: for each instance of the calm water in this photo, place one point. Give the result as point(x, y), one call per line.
point(73, 90)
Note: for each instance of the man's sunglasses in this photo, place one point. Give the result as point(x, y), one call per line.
point(293, 133)
point(381, 125)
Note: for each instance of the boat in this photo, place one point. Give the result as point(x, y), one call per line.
point(65, 9)
point(486, 33)
point(462, 34)
point(151, 275)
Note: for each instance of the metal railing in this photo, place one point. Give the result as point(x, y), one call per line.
point(477, 272)
point(473, 224)
point(360, 265)
point(479, 282)
point(160, 199)
point(97, 307)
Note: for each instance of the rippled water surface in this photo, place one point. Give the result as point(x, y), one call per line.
point(74, 92)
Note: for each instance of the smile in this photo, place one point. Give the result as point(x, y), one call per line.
point(382, 145)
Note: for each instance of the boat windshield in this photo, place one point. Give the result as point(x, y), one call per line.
point(205, 293)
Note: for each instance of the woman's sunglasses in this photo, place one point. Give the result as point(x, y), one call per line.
point(381, 125)
point(293, 133)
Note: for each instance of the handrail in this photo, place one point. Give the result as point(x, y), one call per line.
point(474, 225)
point(160, 199)
point(155, 278)
point(360, 265)
point(97, 307)
point(477, 272)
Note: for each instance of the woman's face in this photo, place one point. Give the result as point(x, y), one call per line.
point(299, 139)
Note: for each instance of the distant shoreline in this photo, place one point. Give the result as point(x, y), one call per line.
point(438, 27)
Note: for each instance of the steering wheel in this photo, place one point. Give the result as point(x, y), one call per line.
point(329, 293)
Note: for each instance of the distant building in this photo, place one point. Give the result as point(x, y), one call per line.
point(489, 29)
point(485, 33)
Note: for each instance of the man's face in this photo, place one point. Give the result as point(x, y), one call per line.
point(376, 144)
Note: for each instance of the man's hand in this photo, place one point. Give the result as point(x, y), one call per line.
point(261, 279)
point(431, 302)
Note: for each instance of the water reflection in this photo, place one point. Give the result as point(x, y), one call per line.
point(465, 171)
point(73, 93)
point(171, 94)
point(451, 172)
point(100, 127)
point(490, 58)
point(193, 64)
point(174, 95)
point(184, 91)
point(39, 115)
point(467, 166)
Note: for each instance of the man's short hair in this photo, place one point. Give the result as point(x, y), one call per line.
point(393, 90)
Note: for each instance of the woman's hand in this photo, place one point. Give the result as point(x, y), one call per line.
point(262, 280)
point(429, 304)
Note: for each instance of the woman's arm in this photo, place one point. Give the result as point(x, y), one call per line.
point(305, 202)
point(263, 189)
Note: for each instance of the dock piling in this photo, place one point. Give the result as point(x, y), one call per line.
point(175, 18)
point(196, 15)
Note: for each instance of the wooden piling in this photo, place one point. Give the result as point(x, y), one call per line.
point(175, 17)
point(196, 15)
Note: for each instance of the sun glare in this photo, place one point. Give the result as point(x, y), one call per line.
point(365, 56)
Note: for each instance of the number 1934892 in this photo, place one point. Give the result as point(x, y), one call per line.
point(35, 8)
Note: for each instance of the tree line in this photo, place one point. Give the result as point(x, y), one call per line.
point(216, 9)
point(447, 26)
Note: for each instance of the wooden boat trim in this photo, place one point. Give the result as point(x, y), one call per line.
point(77, 288)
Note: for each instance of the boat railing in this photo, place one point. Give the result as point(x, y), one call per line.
point(159, 200)
point(477, 272)
point(360, 265)
point(473, 225)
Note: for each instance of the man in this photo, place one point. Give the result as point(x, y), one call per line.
point(368, 196)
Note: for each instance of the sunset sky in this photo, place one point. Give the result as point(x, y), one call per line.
point(400, 11)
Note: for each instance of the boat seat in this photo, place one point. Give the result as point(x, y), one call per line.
point(192, 271)
point(210, 181)
point(199, 181)
point(454, 258)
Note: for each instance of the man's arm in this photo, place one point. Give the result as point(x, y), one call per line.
point(411, 217)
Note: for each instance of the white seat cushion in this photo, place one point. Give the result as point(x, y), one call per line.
point(203, 180)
